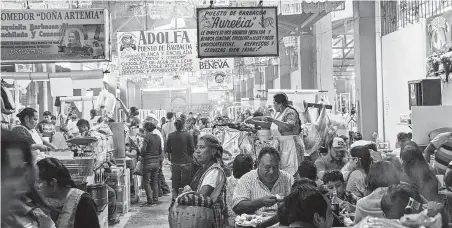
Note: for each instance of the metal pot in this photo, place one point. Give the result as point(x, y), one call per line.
point(99, 194)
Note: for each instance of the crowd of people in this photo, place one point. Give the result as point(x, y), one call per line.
point(336, 185)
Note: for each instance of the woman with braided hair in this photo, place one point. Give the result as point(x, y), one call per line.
point(210, 179)
point(286, 127)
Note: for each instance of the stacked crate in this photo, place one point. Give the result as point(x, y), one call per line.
point(123, 197)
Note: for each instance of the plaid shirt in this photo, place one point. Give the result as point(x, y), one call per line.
point(250, 187)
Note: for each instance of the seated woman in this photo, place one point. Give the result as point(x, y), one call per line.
point(395, 203)
point(26, 131)
point(416, 171)
point(307, 207)
point(381, 175)
point(210, 179)
point(361, 160)
point(22, 205)
point(243, 163)
point(75, 208)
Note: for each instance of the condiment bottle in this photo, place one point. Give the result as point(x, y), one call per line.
point(335, 202)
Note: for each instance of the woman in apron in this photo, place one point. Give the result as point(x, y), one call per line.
point(27, 131)
point(286, 127)
point(74, 208)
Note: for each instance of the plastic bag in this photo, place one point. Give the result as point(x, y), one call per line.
point(107, 100)
point(138, 170)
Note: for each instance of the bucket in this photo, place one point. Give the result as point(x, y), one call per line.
point(264, 135)
point(99, 194)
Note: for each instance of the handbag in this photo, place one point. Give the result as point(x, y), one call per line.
point(138, 170)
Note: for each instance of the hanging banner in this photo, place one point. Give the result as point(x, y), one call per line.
point(237, 32)
point(219, 73)
point(216, 64)
point(439, 36)
point(157, 52)
point(63, 35)
point(220, 80)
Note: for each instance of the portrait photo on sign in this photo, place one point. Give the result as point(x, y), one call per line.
point(74, 38)
point(127, 42)
point(84, 40)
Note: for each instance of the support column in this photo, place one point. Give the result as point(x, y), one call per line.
point(324, 52)
point(50, 99)
point(308, 61)
point(366, 67)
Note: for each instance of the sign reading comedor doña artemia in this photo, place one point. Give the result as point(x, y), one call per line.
point(75, 35)
point(237, 32)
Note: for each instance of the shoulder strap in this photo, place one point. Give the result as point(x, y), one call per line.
point(66, 219)
point(215, 166)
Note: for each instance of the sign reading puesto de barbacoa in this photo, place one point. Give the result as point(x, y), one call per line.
point(237, 32)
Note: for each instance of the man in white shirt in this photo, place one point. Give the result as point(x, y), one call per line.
point(262, 189)
point(168, 127)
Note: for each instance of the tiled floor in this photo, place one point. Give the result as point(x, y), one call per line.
point(148, 217)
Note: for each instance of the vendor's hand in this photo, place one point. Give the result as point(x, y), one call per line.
point(305, 105)
point(53, 147)
point(433, 208)
point(268, 119)
point(268, 201)
point(42, 148)
point(347, 206)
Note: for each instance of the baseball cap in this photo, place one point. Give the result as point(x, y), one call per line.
point(339, 144)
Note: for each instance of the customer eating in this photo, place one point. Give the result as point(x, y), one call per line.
point(334, 180)
point(307, 207)
point(381, 175)
point(261, 189)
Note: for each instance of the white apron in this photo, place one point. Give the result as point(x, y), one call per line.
point(287, 147)
point(37, 154)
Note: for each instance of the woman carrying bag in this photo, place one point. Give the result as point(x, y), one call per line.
point(209, 183)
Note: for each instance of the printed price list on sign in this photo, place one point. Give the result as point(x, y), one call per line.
point(237, 32)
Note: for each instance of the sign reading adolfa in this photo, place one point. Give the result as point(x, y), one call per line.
point(156, 52)
point(237, 32)
point(75, 35)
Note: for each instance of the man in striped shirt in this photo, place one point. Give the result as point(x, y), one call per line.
point(262, 189)
point(441, 146)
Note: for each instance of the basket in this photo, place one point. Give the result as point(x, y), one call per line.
point(191, 217)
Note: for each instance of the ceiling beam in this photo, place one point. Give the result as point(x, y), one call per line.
point(311, 18)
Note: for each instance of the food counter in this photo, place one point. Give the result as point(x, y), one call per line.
point(85, 160)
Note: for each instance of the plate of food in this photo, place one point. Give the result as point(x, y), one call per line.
point(418, 220)
point(245, 220)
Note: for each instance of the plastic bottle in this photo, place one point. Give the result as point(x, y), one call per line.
point(335, 202)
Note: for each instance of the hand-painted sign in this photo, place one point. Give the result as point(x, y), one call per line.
point(71, 35)
point(157, 52)
point(237, 32)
